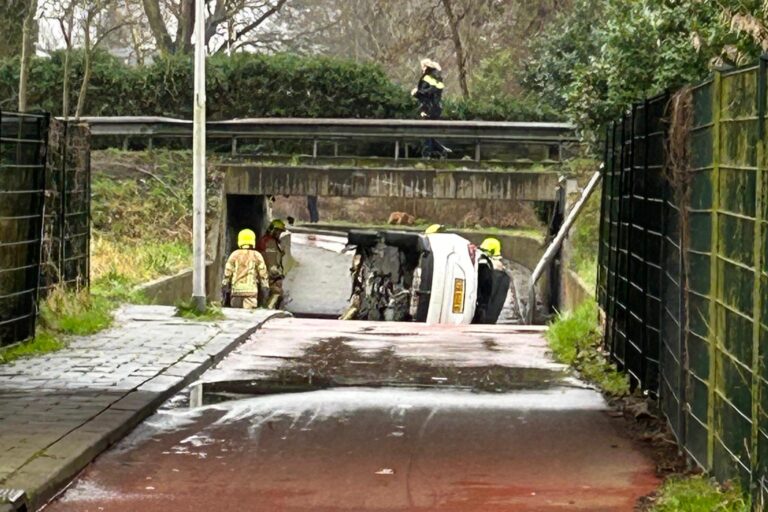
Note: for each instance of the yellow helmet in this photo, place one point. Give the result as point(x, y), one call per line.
point(434, 228)
point(246, 237)
point(277, 224)
point(491, 246)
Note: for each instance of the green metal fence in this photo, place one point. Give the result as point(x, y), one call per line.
point(22, 196)
point(44, 215)
point(683, 268)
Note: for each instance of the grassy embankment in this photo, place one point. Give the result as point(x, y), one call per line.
point(576, 340)
point(141, 230)
point(699, 494)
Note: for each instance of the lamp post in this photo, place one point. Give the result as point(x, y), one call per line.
point(198, 163)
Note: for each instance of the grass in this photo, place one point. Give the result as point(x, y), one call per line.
point(576, 340)
point(699, 494)
point(137, 261)
point(44, 343)
point(75, 312)
point(186, 309)
point(62, 313)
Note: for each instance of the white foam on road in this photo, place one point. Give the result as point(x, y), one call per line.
point(332, 403)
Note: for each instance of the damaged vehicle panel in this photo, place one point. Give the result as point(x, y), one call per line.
point(438, 278)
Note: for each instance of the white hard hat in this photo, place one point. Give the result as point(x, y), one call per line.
point(429, 63)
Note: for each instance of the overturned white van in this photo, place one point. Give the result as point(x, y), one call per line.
point(438, 278)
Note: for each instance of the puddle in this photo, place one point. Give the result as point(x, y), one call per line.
point(333, 363)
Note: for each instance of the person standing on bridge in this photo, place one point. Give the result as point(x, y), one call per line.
point(270, 248)
point(246, 281)
point(429, 93)
point(429, 90)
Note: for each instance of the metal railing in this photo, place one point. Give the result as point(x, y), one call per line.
point(396, 132)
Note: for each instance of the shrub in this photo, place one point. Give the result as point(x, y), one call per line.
point(238, 86)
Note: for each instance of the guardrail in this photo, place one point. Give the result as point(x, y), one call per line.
point(393, 131)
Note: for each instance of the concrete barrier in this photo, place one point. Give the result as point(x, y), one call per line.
point(167, 291)
point(574, 291)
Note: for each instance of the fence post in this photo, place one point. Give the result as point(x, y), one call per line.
point(615, 237)
point(601, 254)
point(61, 270)
point(682, 310)
point(43, 125)
point(759, 258)
point(714, 281)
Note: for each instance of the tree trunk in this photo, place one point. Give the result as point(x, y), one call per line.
point(157, 26)
point(86, 72)
point(458, 47)
point(66, 84)
point(27, 48)
point(186, 27)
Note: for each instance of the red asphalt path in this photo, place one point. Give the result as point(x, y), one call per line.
point(363, 449)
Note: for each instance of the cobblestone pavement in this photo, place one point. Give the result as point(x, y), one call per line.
point(57, 412)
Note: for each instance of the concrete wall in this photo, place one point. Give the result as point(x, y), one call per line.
point(259, 179)
point(573, 291)
point(167, 291)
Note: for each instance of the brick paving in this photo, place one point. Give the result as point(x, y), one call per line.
point(58, 411)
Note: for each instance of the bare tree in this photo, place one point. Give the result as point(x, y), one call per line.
point(96, 26)
point(230, 24)
point(27, 49)
point(12, 12)
point(63, 13)
point(453, 23)
point(460, 34)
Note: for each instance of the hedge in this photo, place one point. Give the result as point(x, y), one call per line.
point(243, 85)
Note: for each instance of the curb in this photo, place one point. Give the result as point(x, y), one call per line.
point(81, 446)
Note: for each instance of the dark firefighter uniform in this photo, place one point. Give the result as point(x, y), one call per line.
point(429, 92)
point(270, 249)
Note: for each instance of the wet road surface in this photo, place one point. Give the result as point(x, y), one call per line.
point(475, 418)
point(373, 449)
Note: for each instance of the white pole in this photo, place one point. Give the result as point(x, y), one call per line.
point(551, 251)
point(198, 163)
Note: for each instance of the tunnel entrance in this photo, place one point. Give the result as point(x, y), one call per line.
point(244, 212)
point(318, 281)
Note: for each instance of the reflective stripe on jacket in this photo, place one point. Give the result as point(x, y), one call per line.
point(246, 272)
point(429, 92)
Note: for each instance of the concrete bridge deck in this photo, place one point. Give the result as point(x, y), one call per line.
point(257, 178)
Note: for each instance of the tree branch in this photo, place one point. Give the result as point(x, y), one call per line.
point(261, 19)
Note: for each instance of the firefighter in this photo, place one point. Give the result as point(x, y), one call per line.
point(429, 93)
point(269, 246)
point(429, 90)
point(492, 248)
point(246, 281)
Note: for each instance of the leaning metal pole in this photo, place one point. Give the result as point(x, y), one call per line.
point(198, 163)
point(551, 251)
